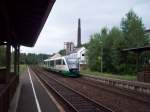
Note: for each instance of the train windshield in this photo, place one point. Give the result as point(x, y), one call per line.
point(72, 63)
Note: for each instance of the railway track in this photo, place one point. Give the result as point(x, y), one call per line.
point(131, 94)
point(85, 80)
point(94, 89)
point(127, 93)
point(75, 101)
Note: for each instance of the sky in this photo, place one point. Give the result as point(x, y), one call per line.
point(61, 25)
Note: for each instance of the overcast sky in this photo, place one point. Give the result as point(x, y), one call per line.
point(61, 25)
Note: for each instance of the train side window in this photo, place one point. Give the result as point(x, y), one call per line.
point(47, 64)
point(52, 63)
point(58, 62)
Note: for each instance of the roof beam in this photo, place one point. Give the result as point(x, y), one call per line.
point(5, 22)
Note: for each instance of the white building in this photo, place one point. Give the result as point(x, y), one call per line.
point(80, 54)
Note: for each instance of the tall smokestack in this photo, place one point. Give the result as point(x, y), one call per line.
point(79, 34)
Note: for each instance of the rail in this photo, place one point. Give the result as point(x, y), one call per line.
point(76, 100)
point(140, 87)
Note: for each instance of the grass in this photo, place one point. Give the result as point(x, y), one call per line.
point(109, 75)
point(22, 68)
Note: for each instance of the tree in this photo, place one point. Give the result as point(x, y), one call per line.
point(133, 30)
point(22, 58)
point(117, 56)
point(2, 56)
point(62, 52)
point(32, 58)
point(94, 49)
point(107, 52)
point(113, 42)
point(112, 50)
point(134, 36)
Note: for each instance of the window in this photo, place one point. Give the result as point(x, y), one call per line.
point(52, 63)
point(48, 63)
point(58, 62)
point(63, 62)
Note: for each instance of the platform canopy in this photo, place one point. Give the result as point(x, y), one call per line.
point(21, 21)
point(147, 31)
point(139, 49)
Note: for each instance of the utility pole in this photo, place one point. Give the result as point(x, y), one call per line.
point(101, 56)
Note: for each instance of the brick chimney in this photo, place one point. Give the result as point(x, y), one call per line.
point(79, 34)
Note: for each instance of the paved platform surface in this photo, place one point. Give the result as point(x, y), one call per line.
point(33, 96)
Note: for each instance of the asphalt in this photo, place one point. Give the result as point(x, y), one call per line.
point(27, 101)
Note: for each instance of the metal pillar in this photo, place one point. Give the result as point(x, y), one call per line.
point(101, 59)
point(126, 62)
point(137, 60)
point(18, 58)
point(8, 62)
point(15, 59)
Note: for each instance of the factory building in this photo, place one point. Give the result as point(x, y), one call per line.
point(78, 51)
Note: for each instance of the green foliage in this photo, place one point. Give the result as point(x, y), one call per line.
point(113, 46)
point(94, 49)
point(113, 42)
point(32, 58)
point(133, 30)
point(134, 36)
point(2, 55)
point(62, 52)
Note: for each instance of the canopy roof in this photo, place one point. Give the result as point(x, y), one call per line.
point(147, 31)
point(139, 49)
point(21, 21)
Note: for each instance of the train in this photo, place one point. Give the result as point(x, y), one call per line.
point(65, 65)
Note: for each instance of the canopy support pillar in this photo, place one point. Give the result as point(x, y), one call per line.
point(8, 61)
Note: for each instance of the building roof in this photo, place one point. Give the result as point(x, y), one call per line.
point(21, 21)
point(139, 49)
point(56, 55)
point(76, 50)
point(147, 31)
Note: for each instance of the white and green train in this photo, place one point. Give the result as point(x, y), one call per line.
point(65, 65)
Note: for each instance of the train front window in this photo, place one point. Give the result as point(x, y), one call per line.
point(63, 62)
point(72, 63)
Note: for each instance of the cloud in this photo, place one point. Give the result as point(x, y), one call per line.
point(61, 25)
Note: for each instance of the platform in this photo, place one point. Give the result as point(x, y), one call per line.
point(33, 96)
